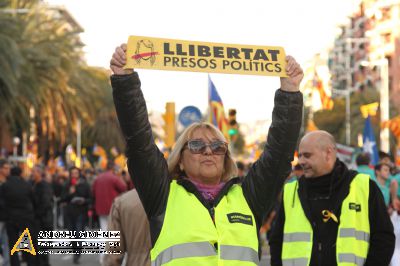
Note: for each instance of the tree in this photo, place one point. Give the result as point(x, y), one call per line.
point(333, 120)
point(43, 70)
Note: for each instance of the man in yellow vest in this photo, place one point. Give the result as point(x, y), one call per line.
point(331, 215)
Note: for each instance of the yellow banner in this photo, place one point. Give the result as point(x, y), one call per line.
point(178, 55)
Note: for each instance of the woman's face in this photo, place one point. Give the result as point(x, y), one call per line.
point(204, 165)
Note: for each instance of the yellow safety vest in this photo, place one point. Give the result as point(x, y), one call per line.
point(189, 236)
point(352, 242)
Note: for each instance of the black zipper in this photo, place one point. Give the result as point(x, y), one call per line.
point(212, 213)
point(320, 253)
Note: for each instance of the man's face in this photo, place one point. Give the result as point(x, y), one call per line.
point(5, 170)
point(313, 159)
point(384, 173)
point(37, 174)
point(75, 173)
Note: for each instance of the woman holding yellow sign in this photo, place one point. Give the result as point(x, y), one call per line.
point(199, 213)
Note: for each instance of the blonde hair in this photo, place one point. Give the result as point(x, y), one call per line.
point(230, 168)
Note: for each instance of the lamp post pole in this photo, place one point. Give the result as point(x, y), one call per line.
point(384, 104)
point(348, 126)
point(78, 143)
point(350, 89)
point(383, 65)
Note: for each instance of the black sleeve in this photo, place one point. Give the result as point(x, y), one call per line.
point(44, 199)
point(88, 194)
point(382, 240)
point(65, 195)
point(276, 237)
point(265, 179)
point(2, 205)
point(147, 165)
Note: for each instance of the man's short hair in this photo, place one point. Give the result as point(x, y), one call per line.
point(3, 162)
point(240, 165)
point(383, 155)
point(379, 166)
point(110, 165)
point(16, 171)
point(363, 159)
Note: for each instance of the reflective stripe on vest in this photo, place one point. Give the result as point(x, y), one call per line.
point(295, 262)
point(353, 233)
point(296, 237)
point(189, 236)
point(351, 258)
point(197, 249)
point(239, 253)
point(205, 249)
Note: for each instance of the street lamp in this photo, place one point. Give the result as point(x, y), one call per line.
point(78, 162)
point(384, 99)
point(16, 142)
point(350, 89)
point(347, 92)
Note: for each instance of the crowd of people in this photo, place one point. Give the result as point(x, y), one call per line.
point(65, 199)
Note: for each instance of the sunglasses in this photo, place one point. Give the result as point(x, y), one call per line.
point(197, 146)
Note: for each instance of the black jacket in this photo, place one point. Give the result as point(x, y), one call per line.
point(82, 191)
point(2, 205)
point(43, 195)
point(149, 170)
point(18, 200)
point(328, 192)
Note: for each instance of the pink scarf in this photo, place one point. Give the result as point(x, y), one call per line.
point(209, 192)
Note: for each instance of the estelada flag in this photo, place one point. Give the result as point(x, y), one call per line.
point(326, 100)
point(217, 113)
point(394, 126)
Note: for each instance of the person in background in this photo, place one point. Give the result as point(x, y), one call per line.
point(90, 175)
point(5, 252)
point(393, 181)
point(241, 168)
point(363, 161)
point(395, 191)
point(105, 188)
point(127, 179)
point(382, 173)
point(331, 215)
point(20, 213)
point(395, 204)
point(43, 195)
point(76, 195)
point(295, 174)
point(128, 216)
point(58, 182)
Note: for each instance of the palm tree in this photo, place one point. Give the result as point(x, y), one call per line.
point(43, 70)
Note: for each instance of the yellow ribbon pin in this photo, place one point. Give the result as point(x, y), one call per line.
point(328, 215)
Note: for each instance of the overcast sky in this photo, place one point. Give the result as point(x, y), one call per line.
point(303, 28)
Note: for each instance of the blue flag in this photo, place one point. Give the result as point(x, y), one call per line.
point(369, 143)
point(217, 113)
